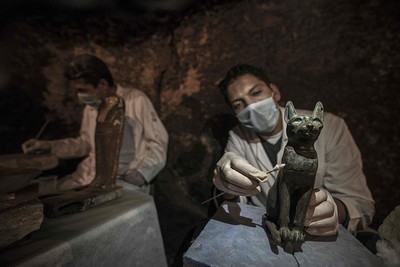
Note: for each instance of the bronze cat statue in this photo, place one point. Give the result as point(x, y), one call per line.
point(289, 196)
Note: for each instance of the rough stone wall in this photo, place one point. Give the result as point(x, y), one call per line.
point(343, 53)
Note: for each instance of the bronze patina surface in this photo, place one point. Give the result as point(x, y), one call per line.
point(289, 197)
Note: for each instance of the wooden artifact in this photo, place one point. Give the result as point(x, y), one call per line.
point(29, 161)
point(19, 221)
point(12, 180)
point(108, 139)
point(21, 212)
point(289, 197)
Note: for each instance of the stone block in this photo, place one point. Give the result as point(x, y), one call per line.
point(235, 237)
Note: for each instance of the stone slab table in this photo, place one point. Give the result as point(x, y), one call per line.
point(235, 237)
point(122, 232)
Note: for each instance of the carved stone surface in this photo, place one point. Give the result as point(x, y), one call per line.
point(108, 138)
point(288, 198)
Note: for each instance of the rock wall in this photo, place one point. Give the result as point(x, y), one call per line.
point(343, 53)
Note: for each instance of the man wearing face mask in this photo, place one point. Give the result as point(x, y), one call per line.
point(256, 145)
point(144, 145)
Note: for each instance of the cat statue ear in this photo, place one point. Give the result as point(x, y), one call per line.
point(290, 111)
point(319, 111)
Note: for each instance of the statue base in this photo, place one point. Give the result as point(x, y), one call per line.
point(235, 236)
point(77, 201)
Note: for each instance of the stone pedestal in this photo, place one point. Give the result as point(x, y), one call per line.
point(235, 237)
point(122, 232)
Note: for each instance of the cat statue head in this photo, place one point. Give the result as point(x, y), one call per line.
point(303, 129)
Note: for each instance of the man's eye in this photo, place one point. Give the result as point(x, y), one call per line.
point(256, 93)
point(236, 106)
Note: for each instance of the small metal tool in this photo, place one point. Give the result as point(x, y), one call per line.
point(42, 129)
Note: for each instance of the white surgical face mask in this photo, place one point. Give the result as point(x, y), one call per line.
point(90, 100)
point(261, 116)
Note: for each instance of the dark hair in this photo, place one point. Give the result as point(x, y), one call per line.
point(237, 71)
point(89, 68)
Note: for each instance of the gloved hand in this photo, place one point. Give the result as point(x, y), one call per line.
point(322, 215)
point(236, 176)
point(133, 176)
point(33, 146)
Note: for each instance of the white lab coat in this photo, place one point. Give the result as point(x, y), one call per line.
point(144, 145)
point(339, 166)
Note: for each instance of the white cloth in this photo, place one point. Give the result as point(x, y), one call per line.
point(339, 166)
point(144, 146)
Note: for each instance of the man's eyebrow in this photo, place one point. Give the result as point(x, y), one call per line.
point(257, 85)
point(251, 89)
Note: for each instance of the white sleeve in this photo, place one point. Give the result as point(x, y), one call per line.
point(233, 145)
point(154, 134)
point(344, 177)
point(74, 147)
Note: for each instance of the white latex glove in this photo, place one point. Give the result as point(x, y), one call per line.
point(33, 146)
point(133, 176)
point(322, 215)
point(234, 175)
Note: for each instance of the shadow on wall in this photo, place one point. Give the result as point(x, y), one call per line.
point(179, 191)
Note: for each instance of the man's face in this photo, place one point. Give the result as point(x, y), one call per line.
point(245, 90)
point(80, 87)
